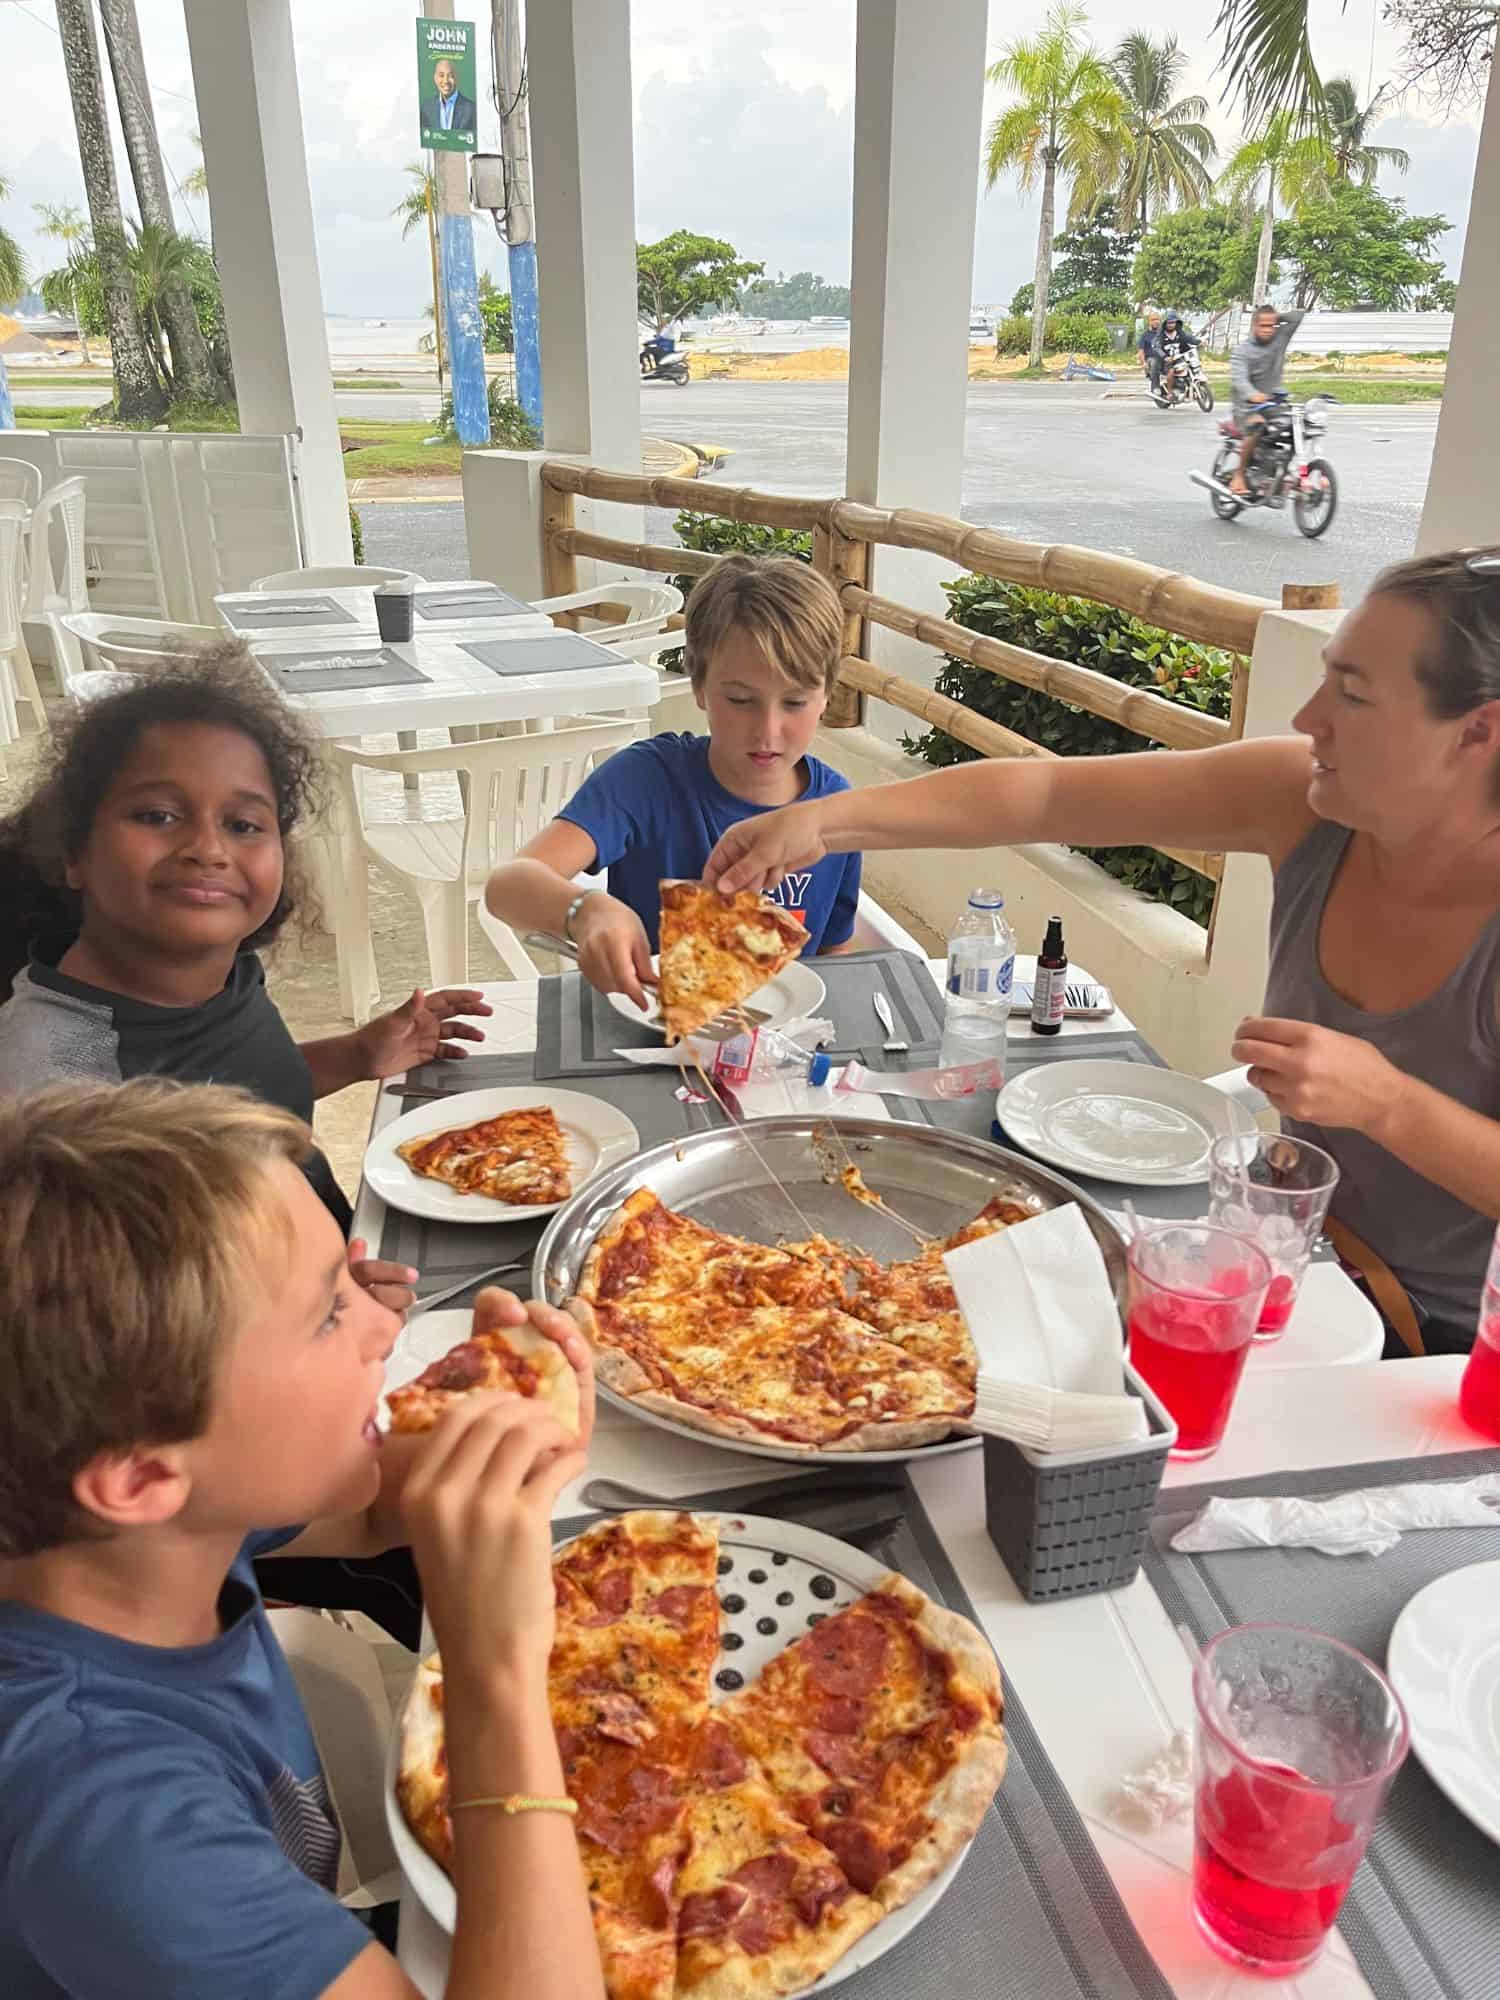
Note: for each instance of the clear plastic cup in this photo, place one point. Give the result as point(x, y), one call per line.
point(1275, 1190)
point(1195, 1293)
point(1298, 1739)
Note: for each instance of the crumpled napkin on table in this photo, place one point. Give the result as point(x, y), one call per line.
point(1366, 1522)
point(1161, 1790)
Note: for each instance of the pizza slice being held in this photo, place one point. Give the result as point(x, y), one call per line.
point(519, 1157)
point(718, 950)
point(515, 1359)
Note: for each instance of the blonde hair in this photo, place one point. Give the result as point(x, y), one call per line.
point(789, 610)
point(134, 1217)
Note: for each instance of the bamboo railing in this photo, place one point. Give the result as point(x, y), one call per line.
point(844, 533)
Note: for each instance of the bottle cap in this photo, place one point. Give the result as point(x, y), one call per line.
point(986, 899)
point(1054, 938)
point(818, 1068)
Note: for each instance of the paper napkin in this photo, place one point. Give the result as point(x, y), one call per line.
point(1161, 1790)
point(1041, 1312)
point(1366, 1522)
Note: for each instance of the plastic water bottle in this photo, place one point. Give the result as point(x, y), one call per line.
point(981, 966)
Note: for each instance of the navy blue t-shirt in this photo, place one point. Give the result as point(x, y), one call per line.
point(655, 812)
point(165, 1828)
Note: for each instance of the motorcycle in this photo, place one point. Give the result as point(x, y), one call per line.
point(1278, 466)
point(1182, 381)
point(671, 367)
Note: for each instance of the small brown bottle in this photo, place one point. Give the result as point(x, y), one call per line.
point(1049, 990)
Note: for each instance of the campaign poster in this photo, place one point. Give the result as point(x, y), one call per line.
point(447, 96)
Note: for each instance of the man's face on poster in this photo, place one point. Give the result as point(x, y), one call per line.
point(445, 79)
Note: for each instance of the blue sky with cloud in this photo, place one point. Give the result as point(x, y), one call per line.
point(744, 128)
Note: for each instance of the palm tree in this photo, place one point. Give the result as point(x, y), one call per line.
point(1068, 118)
point(138, 392)
point(1346, 126)
point(12, 263)
point(1269, 60)
point(1278, 164)
point(1170, 145)
point(417, 208)
point(195, 184)
point(68, 225)
point(193, 365)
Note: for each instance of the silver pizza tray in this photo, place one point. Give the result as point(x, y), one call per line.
point(937, 1180)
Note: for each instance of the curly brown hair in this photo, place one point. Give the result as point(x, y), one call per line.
point(222, 688)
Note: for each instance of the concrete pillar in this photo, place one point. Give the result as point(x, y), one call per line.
point(918, 104)
point(1463, 494)
point(250, 115)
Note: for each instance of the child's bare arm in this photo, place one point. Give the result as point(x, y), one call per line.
point(536, 891)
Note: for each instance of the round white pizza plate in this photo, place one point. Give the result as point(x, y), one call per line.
point(1118, 1121)
point(776, 1579)
point(1444, 1662)
point(596, 1134)
point(427, 1339)
point(795, 991)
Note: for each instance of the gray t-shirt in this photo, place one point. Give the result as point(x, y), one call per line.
point(54, 1026)
point(1255, 365)
point(1436, 1245)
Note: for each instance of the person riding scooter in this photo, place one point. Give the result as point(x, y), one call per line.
point(655, 351)
point(1255, 378)
point(1149, 348)
point(1174, 338)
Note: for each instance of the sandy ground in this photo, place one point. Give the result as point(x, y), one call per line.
point(831, 364)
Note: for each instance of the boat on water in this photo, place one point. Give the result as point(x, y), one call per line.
point(981, 326)
point(828, 319)
point(374, 322)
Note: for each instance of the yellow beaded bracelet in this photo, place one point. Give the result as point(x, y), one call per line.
point(519, 1802)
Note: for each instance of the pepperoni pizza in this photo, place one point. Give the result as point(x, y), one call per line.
point(740, 1850)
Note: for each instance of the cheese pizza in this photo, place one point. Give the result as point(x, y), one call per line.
point(807, 1346)
point(739, 1850)
point(519, 1157)
point(718, 950)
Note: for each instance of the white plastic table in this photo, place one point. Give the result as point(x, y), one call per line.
point(459, 692)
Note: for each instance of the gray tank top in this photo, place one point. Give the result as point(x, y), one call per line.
point(1436, 1245)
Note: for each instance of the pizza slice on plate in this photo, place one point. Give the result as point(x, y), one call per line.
point(718, 950)
point(880, 1731)
point(517, 1359)
point(518, 1157)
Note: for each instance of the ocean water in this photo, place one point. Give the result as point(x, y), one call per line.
point(350, 339)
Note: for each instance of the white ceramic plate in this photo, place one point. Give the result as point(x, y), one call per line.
point(1444, 1662)
point(796, 990)
point(769, 1560)
point(1118, 1121)
point(597, 1135)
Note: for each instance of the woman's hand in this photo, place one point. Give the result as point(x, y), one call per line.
point(477, 1505)
point(423, 1029)
point(390, 1283)
point(756, 853)
point(1318, 1076)
point(614, 953)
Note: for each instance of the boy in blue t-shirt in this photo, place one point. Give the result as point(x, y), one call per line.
point(185, 1359)
point(762, 641)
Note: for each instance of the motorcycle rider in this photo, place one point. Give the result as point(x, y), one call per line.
point(655, 351)
point(1149, 347)
point(1173, 341)
point(1255, 378)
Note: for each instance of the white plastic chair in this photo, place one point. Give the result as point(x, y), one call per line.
point(52, 592)
point(20, 480)
point(17, 679)
point(649, 605)
point(93, 684)
point(109, 639)
point(512, 786)
point(335, 576)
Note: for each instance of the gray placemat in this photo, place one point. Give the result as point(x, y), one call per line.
point(362, 667)
point(547, 653)
point(1032, 1913)
point(1421, 1919)
point(443, 607)
point(280, 612)
point(578, 1031)
point(445, 1251)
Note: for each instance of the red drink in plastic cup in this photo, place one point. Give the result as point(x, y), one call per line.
point(1195, 1294)
point(1298, 1739)
point(1479, 1397)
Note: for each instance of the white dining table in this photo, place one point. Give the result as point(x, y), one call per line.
point(1104, 1678)
point(458, 691)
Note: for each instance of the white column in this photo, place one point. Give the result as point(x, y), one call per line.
point(918, 105)
point(1463, 490)
point(583, 173)
point(250, 115)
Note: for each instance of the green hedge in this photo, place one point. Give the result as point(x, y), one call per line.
point(1089, 635)
point(1065, 332)
point(718, 537)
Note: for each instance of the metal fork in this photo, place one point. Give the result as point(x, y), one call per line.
point(722, 1028)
